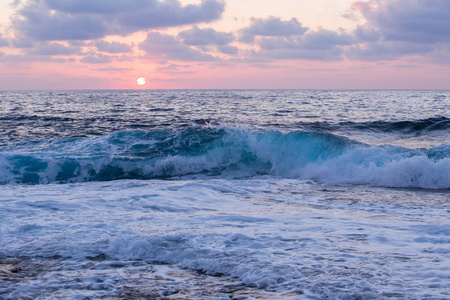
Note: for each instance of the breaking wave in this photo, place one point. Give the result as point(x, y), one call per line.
point(223, 152)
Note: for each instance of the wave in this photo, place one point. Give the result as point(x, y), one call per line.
point(416, 127)
point(224, 152)
point(69, 125)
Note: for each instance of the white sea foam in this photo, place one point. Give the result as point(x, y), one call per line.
point(229, 152)
point(379, 167)
point(284, 238)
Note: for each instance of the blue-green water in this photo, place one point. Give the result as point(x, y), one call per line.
point(107, 135)
point(224, 194)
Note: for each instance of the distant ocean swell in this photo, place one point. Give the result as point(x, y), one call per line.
point(48, 127)
point(417, 127)
point(223, 152)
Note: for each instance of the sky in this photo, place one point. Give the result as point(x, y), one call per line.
point(224, 44)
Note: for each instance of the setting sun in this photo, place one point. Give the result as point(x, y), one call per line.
point(274, 149)
point(140, 81)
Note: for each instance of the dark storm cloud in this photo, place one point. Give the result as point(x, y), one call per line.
point(202, 37)
point(167, 47)
point(271, 26)
point(112, 47)
point(47, 20)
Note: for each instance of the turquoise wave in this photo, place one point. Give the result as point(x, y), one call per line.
point(223, 152)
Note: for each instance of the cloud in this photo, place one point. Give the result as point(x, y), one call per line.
point(54, 49)
point(227, 49)
point(95, 6)
point(386, 50)
point(33, 58)
point(157, 14)
point(366, 33)
point(417, 21)
point(290, 53)
point(398, 28)
point(110, 69)
point(392, 29)
point(96, 59)
point(202, 37)
point(442, 55)
point(22, 43)
point(112, 47)
point(174, 69)
point(209, 37)
point(3, 42)
point(42, 25)
point(317, 45)
point(271, 26)
point(167, 47)
point(325, 39)
point(54, 20)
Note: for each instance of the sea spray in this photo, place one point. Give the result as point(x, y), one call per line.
point(224, 151)
point(280, 194)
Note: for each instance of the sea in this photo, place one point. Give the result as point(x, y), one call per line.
point(225, 194)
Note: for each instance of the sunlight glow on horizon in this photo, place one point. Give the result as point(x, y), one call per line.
point(241, 44)
point(140, 81)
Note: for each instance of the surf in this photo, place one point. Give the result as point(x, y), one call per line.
point(223, 152)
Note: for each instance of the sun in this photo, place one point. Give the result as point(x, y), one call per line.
point(140, 81)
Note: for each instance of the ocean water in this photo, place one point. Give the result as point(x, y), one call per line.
point(225, 194)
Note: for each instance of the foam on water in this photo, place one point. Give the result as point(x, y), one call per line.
point(226, 152)
point(265, 235)
point(224, 194)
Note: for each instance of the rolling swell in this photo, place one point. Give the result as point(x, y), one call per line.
point(416, 127)
point(223, 152)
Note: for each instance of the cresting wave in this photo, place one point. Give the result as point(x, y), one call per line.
point(224, 152)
